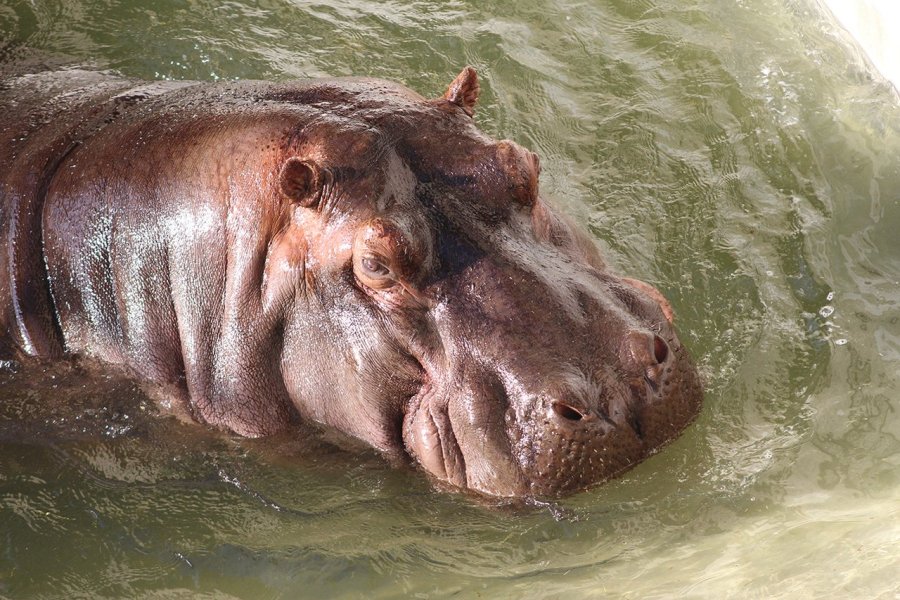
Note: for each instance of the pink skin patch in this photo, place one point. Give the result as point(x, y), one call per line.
point(655, 294)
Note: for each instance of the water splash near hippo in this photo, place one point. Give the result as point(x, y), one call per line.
point(342, 252)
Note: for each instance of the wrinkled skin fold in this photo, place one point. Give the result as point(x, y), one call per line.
point(340, 251)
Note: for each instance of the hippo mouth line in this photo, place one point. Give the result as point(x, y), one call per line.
point(431, 440)
point(429, 437)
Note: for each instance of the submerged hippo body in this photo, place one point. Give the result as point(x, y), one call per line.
point(339, 251)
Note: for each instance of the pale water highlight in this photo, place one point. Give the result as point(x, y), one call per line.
point(740, 155)
point(871, 23)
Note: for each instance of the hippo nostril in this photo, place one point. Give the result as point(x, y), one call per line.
point(660, 350)
point(645, 354)
point(567, 412)
point(642, 349)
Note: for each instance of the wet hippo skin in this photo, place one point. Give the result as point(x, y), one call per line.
point(339, 251)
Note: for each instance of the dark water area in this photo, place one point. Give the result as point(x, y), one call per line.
point(740, 155)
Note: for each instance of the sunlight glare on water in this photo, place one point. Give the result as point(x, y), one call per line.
point(740, 155)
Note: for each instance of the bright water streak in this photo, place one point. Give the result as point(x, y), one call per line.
point(739, 154)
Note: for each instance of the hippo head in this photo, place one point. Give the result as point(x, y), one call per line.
point(436, 307)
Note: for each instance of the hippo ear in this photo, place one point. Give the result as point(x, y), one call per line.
point(463, 92)
point(301, 181)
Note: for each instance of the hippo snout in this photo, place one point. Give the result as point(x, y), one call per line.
point(587, 431)
point(576, 446)
point(554, 404)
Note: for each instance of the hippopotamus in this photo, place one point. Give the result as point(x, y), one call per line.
point(343, 252)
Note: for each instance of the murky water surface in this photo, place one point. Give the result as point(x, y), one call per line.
point(737, 153)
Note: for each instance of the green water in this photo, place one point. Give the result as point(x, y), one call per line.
point(737, 153)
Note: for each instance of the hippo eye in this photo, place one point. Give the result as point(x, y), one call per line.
point(373, 272)
point(374, 268)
